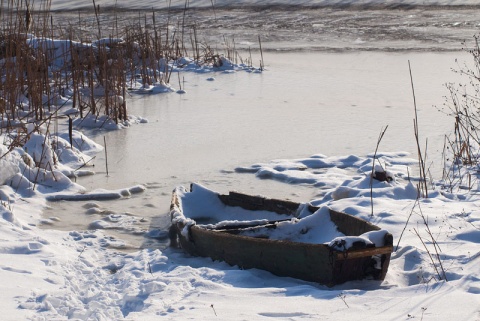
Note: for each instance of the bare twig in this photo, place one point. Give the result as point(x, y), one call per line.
point(343, 296)
point(261, 53)
point(421, 162)
point(406, 224)
point(423, 311)
point(382, 132)
point(435, 245)
point(150, 268)
point(106, 154)
point(81, 252)
point(213, 309)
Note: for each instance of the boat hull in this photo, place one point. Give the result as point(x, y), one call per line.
point(311, 262)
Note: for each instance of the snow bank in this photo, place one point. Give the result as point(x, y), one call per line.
point(76, 275)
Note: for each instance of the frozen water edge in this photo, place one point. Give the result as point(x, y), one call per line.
point(333, 29)
point(311, 102)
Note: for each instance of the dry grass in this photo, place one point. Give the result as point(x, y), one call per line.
point(461, 150)
point(102, 55)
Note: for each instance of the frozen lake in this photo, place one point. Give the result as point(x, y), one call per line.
point(305, 103)
point(335, 77)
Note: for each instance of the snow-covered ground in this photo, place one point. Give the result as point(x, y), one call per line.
point(54, 275)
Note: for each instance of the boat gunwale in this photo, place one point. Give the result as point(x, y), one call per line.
point(328, 266)
point(349, 253)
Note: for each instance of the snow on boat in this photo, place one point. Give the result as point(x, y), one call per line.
point(285, 238)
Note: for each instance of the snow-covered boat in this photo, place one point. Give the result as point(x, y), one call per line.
point(285, 238)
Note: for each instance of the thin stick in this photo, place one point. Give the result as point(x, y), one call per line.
point(421, 163)
point(85, 164)
point(97, 10)
point(406, 224)
point(83, 250)
point(214, 13)
point(423, 311)
point(435, 244)
point(382, 132)
point(428, 252)
point(70, 131)
point(106, 154)
point(261, 53)
point(150, 268)
point(213, 309)
point(342, 296)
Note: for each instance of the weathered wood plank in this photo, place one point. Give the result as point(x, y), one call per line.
point(310, 262)
point(348, 255)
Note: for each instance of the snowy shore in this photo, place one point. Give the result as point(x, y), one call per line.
point(53, 275)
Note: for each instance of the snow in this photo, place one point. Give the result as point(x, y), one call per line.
point(89, 275)
point(200, 204)
point(203, 203)
point(54, 275)
point(316, 228)
point(343, 243)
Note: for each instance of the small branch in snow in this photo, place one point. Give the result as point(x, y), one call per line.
point(262, 66)
point(422, 185)
point(213, 309)
point(85, 163)
point(343, 296)
point(106, 154)
point(406, 224)
point(150, 268)
point(382, 132)
point(423, 311)
point(83, 250)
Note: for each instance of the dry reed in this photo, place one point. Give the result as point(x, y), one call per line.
point(93, 67)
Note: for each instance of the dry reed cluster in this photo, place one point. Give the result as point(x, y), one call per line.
point(92, 61)
point(462, 149)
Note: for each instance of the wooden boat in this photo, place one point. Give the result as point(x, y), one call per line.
point(204, 228)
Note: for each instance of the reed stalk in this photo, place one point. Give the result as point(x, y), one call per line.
point(422, 187)
point(106, 154)
point(372, 174)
